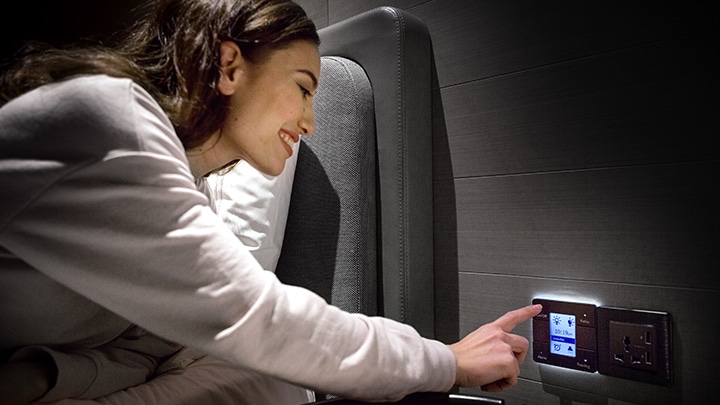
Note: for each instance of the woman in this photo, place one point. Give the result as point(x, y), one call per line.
point(109, 251)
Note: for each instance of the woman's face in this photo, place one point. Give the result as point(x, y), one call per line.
point(271, 107)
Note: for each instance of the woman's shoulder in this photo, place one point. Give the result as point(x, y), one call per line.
point(90, 85)
point(93, 113)
point(94, 97)
point(90, 92)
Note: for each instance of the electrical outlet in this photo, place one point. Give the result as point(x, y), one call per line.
point(635, 345)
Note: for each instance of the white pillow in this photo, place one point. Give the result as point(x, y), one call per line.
point(255, 206)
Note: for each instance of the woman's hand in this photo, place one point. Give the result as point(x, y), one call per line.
point(490, 356)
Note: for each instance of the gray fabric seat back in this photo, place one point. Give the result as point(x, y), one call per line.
point(330, 243)
point(360, 227)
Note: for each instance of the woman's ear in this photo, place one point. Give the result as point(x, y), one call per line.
point(231, 67)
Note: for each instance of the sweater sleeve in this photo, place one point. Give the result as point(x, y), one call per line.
point(128, 230)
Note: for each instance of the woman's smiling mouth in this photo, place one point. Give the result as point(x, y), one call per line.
point(288, 139)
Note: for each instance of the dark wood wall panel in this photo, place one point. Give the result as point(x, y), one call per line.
point(634, 106)
point(476, 39)
point(483, 297)
point(653, 225)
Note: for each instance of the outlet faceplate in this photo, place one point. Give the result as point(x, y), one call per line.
point(635, 345)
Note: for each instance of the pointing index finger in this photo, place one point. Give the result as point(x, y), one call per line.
point(513, 318)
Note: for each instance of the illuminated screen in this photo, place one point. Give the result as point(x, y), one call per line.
point(562, 334)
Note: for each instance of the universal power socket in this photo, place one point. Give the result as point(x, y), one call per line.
point(635, 345)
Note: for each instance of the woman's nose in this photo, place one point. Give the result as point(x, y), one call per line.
point(307, 121)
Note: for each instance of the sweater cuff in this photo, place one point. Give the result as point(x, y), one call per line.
point(75, 373)
point(444, 362)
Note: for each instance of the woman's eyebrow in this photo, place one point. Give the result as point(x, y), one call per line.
point(312, 76)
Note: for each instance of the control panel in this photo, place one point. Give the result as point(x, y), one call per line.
point(565, 334)
point(626, 343)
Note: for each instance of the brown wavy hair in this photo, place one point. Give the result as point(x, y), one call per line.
point(173, 52)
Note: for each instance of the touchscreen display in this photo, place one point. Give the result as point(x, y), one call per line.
point(562, 334)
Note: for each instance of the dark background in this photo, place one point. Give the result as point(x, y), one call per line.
point(62, 22)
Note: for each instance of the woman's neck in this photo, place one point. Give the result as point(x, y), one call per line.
point(206, 157)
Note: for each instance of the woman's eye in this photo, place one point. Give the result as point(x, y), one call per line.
point(305, 92)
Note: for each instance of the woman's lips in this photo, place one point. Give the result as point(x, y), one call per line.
point(289, 140)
